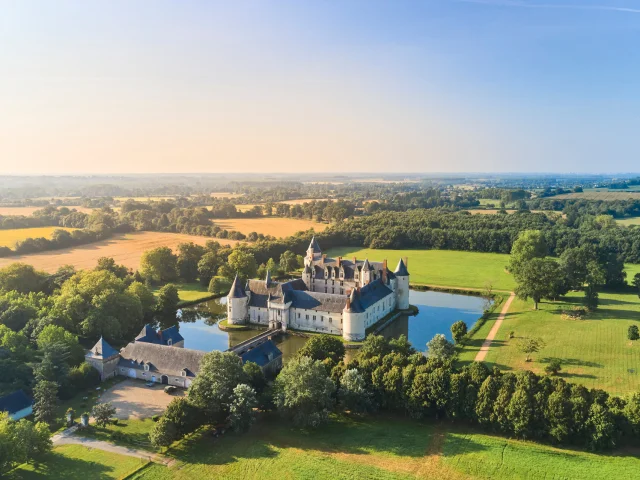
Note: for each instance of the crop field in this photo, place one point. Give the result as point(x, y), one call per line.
point(379, 448)
point(75, 462)
point(448, 268)
point(628, 221)
point(594, 352)
point(300, 201)
point(8, 238)
point(125, 249)
point(599, 195)
point(28, 211)
point(227, 195)
point(276, 226)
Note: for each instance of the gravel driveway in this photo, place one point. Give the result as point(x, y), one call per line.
point(132, 399)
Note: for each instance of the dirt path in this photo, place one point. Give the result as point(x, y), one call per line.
point(494, 330)
point(67, 437)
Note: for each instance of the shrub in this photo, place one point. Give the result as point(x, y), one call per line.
point(553, 367)
point(117, 436)
point(155, 418)
point(458, 331)
point(633, 333)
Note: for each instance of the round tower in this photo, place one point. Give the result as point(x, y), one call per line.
point(237, 304)
point(402, 288)
point(353, 316)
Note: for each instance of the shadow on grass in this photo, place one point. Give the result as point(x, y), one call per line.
point(55, 465)
point(571, 361)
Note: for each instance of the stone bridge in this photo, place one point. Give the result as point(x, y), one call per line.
point(253, 342)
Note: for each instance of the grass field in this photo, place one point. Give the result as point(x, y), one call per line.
point(276, 226)
point(594, 352)
point(8, 238)
point(442, 267)
point(628, 221)
point(126, 249)
point(599, 195)
point(379, 448)
point(75, 462)
point(189, 292)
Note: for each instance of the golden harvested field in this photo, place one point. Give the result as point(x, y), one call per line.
point(300, 201)
point(145, 199)
point(125, 249)
point(276, 226)
point(8, 238)
point(226, 195)
point(27, 211)
point(606, 196)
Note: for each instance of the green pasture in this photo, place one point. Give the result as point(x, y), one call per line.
point(189, 292)
point(628, 221)
point(594, 351)
point(379, 448)
point(449, 268)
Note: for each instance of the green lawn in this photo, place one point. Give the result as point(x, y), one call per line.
point(442, 267)
point(133, 433)
point(189, 292)
point(73, 462)
point(594, 351)
point(379, 448)
point(628, 221)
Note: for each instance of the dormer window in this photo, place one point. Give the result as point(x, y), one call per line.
point(183, 373)
point(146, 368)
point(170, 342)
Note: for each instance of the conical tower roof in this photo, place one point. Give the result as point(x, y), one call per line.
point(401, 269)
point(103, 349)
point(314, 246)
point(236, 289)
point(354, 302)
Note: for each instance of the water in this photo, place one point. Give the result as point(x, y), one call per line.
point(437, 312)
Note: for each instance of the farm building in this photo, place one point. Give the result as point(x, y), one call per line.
point(266, 355)
point(336, 296)
point(170, 336)
point(17, 404)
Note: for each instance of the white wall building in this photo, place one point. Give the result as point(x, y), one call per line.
point(334, 295)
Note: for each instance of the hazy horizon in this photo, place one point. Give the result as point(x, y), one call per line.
point(448, 86)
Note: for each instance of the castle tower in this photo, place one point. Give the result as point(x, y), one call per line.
point(306, 277)
point(366, 272)
point(353, 316)
point(237, 304)
point(104, 358)
point(313, 252)
point(402, 289)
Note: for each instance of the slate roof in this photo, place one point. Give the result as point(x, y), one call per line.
point(314, 246)
point(260, 354)
point(161, 359)
point(280, 292)
point(354, 302)
point(14, 402)
point(236, 289)
point(102, 350)
point(401, 269)
point(349, 267)
point(373, 292)
point(161, 337)
point(322, 302)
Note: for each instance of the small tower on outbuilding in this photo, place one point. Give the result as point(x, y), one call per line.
point(104, 358)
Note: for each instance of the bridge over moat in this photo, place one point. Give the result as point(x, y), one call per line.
point(253, 342)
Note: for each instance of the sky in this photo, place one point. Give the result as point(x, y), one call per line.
point(121, 86)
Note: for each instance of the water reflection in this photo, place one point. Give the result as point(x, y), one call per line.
point(438, 311)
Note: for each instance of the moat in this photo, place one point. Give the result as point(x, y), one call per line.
point(437, 312)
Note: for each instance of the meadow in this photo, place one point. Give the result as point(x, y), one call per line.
point(28, 211)
point(125, 249)
point(594, 351)
point(379, 448)
point(275, 226)
point(600, 195)
point(442, 267)
point(628, 221)
point(8, 238)
point(189, 292)
point(75, 462)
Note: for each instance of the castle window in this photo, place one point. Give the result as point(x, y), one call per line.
point(314, 317)
point(298, 315)
point(330, 320)
point(183, 373)
point(146, 368)
point(322, 319)
point(307, 317)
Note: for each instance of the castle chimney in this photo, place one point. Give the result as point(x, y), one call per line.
point(384, 271)
point(339, 260)
point(355, 261)
point(324, 256)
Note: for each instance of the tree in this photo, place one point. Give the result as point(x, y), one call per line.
point(163, 433)
point(212, 389)
point(321, 347)
point(45, 395)
point(218, 285)
point(109, 264)
point(458, 331)
point(183, 415)
point(28, 440)
point(537, 279)
point(208, 266)
point(633, 333)
point(54, 365)
point(440, 348)
point(529, 345)
point(530, 244)
point(353, 394)
point(159, 264)
point(21, 278)
point(242, 263)
point(255, 376)
point(146, 297)
point(601, 427)
point(288, 261)
point(167, 305)
point(52, 334)
point(103, 412)
point(636, 283)
point(303, 392)
point(553, 367)
point(189, 255)
point(241, 410)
